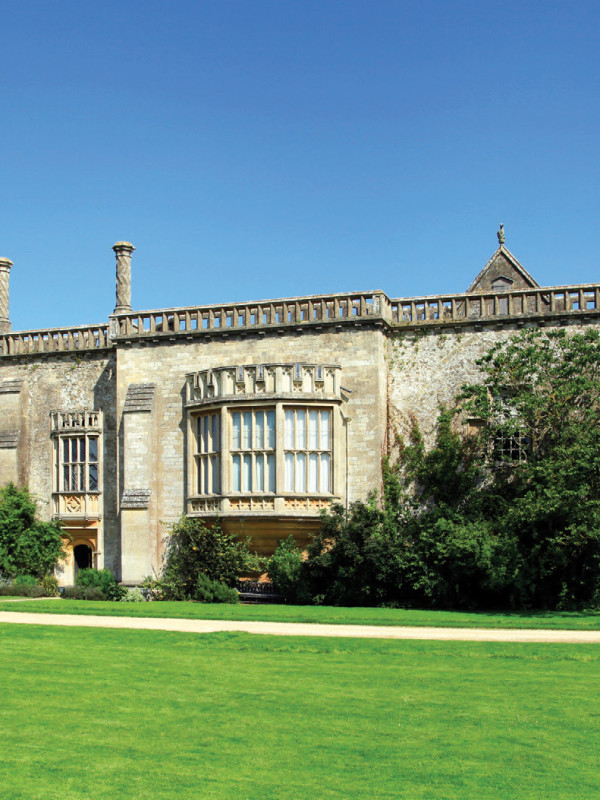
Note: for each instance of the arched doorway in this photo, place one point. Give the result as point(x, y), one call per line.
point(82, 554)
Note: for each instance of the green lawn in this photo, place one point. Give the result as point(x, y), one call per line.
point(90, 714)
point(324, 614)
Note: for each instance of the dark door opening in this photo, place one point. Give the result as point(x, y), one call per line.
point(83, 557)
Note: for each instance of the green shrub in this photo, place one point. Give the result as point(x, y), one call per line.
point(83, 593)
point(133, 596)
point(211, 591)
point(26, 580)
point(287, 573)
point(94, 593)
point(192, 549)
point(50, 585)
point(101, 579)
point(72, 593)
point(11, 590)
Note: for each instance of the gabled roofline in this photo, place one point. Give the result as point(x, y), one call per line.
point(502, 250)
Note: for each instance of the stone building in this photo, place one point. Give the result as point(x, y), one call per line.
point(260, 413)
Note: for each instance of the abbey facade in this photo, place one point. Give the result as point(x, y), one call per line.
point(259, 413)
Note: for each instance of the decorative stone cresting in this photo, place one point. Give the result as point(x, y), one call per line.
point(268, 381)
point(140, 397)
point(135, 498)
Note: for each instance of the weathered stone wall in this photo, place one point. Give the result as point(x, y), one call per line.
point(60, 383)
point(428, 368)
point(359, 351)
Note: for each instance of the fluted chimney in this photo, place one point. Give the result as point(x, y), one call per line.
point(123, 251)
point(5, 265)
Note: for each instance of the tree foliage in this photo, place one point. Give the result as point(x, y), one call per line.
point(507, 517)
point(28, 546)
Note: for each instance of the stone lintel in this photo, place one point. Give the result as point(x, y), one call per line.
point(140, 397)
point(135, 498)
point(9, 440)
point(11, 386)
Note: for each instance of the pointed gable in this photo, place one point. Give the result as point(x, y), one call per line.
point(502, 273)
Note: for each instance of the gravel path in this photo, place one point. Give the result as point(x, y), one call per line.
point(302, 629)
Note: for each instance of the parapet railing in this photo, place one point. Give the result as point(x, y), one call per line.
point(334, 309)
point(55, 340)
point(495, 305)
point(323, 309)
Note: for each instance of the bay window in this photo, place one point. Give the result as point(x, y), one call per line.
point(278, 449)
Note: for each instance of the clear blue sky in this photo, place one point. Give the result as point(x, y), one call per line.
point(265, 148)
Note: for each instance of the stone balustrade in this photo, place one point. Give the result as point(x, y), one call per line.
point(313, 311)
point(68, 421)
point(293, 311)
point(55, 340)
point(464, 308)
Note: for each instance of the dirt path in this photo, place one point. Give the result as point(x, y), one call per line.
point(302, 629)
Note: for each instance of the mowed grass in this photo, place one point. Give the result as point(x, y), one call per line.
point(102, 714)
point(318, 614)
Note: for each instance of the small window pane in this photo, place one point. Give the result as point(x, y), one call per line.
point(216, 482)
point(313, 430)
point(325, 472)
point(289, 429)
point(259, 430)
point(289, 472)
point(205, 441)
point(301, 472)
point(313, 472)
point(247, 430)
point(236, 430)
point(236, 473)
point(247, 473)
point(216, 427)
point(325, 433)
point(93, 445)
point(300, 430)
point(270, 487)
point(93, 478)
point(270, 444)
point(260, 473)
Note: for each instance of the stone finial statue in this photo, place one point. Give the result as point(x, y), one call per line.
point(500, 234)
point(5, 265)
point(123, 251)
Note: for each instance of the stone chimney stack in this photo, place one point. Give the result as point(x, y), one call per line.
point(123, 251)
point(5, 265)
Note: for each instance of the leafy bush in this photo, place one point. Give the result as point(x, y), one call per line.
point(192, 549)
point(12, 590)
point(133, 596)
point(24, 586)
point(211, 591)
point(83, 593)
point(50, 585)
point(72, 593)
point(27, 545)
point(509, 517)
point(101, 579)
point(286, 571)
point(26, 580)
